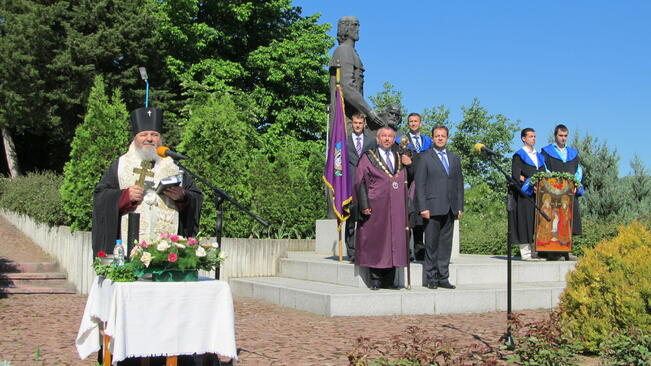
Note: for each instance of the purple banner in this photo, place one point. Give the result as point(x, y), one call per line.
point(336, 169)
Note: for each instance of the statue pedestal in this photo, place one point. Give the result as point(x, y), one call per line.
point(327, 237)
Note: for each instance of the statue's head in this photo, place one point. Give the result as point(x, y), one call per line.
point(391, 115)
point(348, 27)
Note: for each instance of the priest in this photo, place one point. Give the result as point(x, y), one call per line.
point(129, 185)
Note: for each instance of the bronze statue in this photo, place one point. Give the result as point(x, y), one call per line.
point(351, 75)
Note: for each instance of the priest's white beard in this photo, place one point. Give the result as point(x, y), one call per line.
point(147, 152)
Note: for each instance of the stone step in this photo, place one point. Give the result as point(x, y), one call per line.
point(37, 290)
point(34, 279)
point(338, 300)
point(466, 270)
point(12, 267)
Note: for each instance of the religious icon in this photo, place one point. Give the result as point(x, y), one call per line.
point(555, 198)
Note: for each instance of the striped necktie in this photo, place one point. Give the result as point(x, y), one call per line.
point(388, 161)
point(444, 160)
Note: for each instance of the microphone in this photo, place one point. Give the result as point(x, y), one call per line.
point(164, 151)
point(481, 148)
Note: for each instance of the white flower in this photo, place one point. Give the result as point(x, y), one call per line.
point(201, 252)
point(135, 251)
point(222, 255)
point(179, 245)
point(146, 258)
point(215, 245)
point(163, 246)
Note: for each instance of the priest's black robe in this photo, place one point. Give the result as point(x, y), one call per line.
point(106, 214)
point(555, 163)
point(521, 217)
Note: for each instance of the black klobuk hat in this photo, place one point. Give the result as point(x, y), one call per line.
point(147, 119)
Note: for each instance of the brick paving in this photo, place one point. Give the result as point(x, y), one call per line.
point(41, 329)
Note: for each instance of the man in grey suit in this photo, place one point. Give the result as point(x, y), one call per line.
point(439, 199)
point(358, 143)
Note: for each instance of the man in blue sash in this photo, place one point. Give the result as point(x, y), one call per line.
point(561, 158)
point(526, 162)
point(417, 143)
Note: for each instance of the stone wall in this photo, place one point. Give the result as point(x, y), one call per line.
point(73, 250)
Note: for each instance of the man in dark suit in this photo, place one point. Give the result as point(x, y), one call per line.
point(358, 143)
point(439, 199)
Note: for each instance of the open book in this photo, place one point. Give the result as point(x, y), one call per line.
point(172, 180)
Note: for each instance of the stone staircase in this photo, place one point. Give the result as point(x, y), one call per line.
point(321, 284)
point(33, 278)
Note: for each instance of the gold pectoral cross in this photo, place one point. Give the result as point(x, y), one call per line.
point(144, 171)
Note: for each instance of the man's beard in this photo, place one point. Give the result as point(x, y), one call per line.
point(147, 152)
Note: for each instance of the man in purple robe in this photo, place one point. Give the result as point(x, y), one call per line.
point(379, 193)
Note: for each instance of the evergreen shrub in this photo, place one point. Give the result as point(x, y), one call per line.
point(222, 143)
point(288, 189)
point(610, 289)
point(483, 225)
point(35, 195)
point(101, 138)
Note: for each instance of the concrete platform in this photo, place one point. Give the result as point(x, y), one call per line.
point(320, 284)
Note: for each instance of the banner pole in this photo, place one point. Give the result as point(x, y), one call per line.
point(341, 248)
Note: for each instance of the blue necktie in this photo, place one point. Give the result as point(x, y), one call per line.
point(444, 159)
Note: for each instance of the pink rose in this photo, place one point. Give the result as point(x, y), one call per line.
point(164, 235)
point(172, 257)
point(192, 241)
point(143, 244)
point(174, 238)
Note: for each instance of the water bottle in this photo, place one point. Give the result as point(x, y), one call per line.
point(118, 253)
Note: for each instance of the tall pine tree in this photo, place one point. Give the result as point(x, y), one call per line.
point(100, 139)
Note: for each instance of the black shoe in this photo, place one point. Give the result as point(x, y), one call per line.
point(432, 286)
point(447, 284)
point(374, 288)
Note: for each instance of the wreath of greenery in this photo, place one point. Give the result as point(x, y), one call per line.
point(554, 175)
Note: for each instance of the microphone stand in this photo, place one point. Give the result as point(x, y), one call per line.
point(219, 196)
point(511, 184)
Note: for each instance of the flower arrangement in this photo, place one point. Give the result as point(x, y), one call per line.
point(554, 177)
point(168, 253)
point(174, 253)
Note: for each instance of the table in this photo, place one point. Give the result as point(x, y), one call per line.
point(145, 318)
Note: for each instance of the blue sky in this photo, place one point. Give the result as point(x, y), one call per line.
point(586, 64)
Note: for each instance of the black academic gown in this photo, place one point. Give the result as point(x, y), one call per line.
point(554, 163)
point(106, 215)
point(522, 215)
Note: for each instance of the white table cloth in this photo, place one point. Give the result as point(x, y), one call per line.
point(146, 319)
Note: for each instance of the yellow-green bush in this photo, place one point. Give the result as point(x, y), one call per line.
point(610, 289)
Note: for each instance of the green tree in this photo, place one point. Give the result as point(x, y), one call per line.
point(639, 184)
point(288, 188)
point(266, 50)
point(222, 143)
point(102, 137)
point(604, 196)
point(437, 116)
point(51, 52)
point(496, 132)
